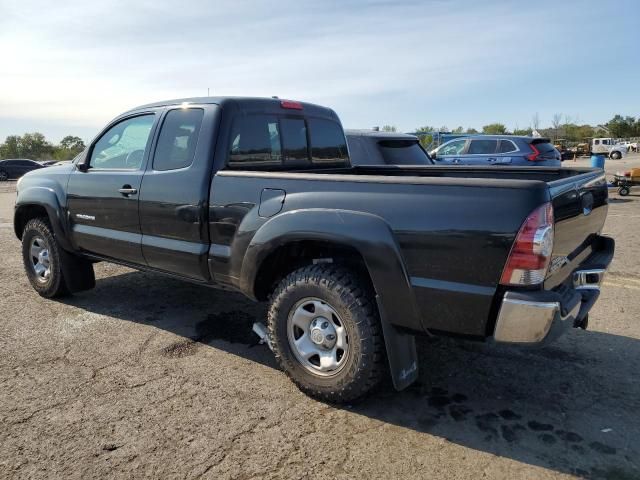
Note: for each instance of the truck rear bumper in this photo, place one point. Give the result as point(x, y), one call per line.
point(533, 317)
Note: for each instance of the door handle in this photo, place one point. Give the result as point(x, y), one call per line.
point(126, 190)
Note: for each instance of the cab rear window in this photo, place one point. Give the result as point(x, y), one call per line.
point(276, 142)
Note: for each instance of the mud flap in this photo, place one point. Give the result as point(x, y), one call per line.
point(77, 272)
point(401, 352)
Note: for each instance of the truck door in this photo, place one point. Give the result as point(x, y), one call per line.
point(103, 200)
point(175, 193)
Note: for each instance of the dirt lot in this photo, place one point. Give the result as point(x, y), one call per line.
point(146, 376)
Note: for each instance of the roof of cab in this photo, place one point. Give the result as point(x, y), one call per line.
point(263, 104)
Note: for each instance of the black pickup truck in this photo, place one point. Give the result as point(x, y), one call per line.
point(258, 196)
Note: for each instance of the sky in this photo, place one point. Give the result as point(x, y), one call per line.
point(67, 68)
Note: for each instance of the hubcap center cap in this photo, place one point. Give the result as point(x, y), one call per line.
point(322, 332)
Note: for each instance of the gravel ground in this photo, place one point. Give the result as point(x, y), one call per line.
point(147, 376)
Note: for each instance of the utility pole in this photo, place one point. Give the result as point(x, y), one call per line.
point(207, 91)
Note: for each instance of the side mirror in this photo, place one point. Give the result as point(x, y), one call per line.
point(83, 167)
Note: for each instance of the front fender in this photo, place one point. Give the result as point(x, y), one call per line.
point(45, 197)
point(369, 234)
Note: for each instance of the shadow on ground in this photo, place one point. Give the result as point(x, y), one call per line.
point(572, 406)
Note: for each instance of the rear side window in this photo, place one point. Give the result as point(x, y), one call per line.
point(507, 146)
point(328, 144)
point(482, 147)
point(178, 138)
point(294, 141)
point(403, 152)
point(255, 141)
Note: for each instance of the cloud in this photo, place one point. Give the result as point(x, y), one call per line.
point(84, 62)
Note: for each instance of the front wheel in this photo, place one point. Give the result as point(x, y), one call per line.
point(616, 155)
point(326, 334)
point(4, 176)
point(623, 191)
point(42, 259)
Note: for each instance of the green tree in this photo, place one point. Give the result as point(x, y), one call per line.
point(389, 128)
point(69, 147)
point(11, 147)
point(523, 131)
point(458, 130)
point(622, 127)
point(494, 129)
point(425, 136)
point(472, 130)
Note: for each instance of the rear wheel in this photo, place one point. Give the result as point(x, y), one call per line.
point(616, 155)
point(326, 334)
point(623, 191)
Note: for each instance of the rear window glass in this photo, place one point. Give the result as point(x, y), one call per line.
point(294, 141)
point(482, 147)
point(328, 145)
point(255, 141)
point(544, 147)
point(178, 139)
point(403, 152)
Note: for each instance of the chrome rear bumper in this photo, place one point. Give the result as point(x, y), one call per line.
point(530, 317)
point(529, 321)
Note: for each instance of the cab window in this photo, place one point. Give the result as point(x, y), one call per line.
point(328, 144)
point(255, 142)
point(123, 146)
point(178, 138)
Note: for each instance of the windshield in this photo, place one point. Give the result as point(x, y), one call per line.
point(403, 152)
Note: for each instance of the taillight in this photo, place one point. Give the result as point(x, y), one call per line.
point(534, 156)
point(291, 105)
point(531, 252)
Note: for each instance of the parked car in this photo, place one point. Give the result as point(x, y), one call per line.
point(371, 147)
point(48, 163)
point(259, 196)
point(498, 150)
point(609, 147)
point(16, 167)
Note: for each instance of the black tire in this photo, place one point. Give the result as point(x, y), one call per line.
point(54, 284)
point(616, 155)
point(4, 176)
point(351, 298)
point(623, 191)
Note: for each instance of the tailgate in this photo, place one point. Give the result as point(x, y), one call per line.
point(580, 208)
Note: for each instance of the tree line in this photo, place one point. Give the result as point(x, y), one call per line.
point(562, 127)
point(36, 147)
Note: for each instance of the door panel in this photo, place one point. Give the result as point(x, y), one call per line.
point(105, 221)
point(102, 201)
point(175, 192)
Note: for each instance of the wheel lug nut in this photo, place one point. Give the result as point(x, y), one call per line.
point(331, 337)
point(325, 324)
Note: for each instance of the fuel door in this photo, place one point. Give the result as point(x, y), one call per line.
point(271, 201)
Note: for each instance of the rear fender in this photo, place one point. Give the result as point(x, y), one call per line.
point(372, 237)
